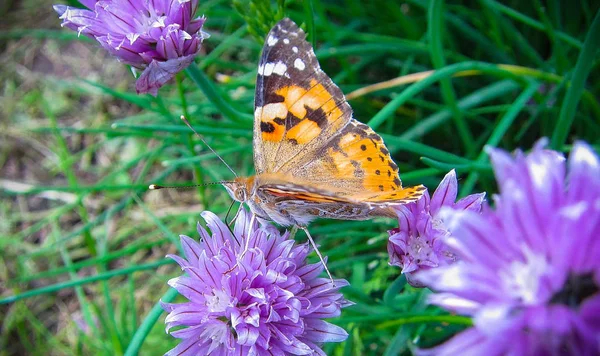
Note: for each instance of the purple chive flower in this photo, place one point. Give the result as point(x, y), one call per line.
point(419, 241)
point(264, 301)
point(529, 270)
point(160, 37)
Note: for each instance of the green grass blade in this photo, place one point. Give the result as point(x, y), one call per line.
point(435, 30)
point(212, 94)
point(585, 62)
point(149, 321)
point(81, 281)
point(499, 131)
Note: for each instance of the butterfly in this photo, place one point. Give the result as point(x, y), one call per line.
point(312, 158)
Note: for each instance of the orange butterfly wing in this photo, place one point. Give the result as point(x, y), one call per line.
point(304, 130)
point(297, 106)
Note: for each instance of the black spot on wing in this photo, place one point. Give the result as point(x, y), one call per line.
point(268, 98)
point(317, 116)
point(273, 98)
point(286, 44)
point(266, 127)
point(291, 120)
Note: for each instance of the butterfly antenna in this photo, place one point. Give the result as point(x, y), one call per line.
point(157, 186)
point(312, 242)
point(207, 145)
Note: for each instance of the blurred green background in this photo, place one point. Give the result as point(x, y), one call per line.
point(83, 241)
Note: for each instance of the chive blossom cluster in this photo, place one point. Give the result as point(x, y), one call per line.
point(159, 37)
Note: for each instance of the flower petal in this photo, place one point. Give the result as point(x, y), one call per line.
point(247, 335)
point(268, 305)
point(584, 173)
point(159, 73)
point(321, 331)
point(470, 342)
point(445, 194)
point(191, 249)
point(187, 347)
point(471, 202)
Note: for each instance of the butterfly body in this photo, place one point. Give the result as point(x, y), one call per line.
point(312, 158)
point(272, 198)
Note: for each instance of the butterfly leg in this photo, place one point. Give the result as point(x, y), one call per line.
point(228, 224)
point(246, 241)
point(247, 237)
point(312, 242)
point(293, 231)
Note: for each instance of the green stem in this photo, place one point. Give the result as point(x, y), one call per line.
point(478, 97)
point(81, 281)
point(463, 167)
point(499, 131)
point(418, 319)
point(531, 22)
point(142, 332)
point(79, 292)
point(213, 95)
point(435, 32)
point(397, 143)
point(66, 168)
point(421, 85)
point(309, 11)
point(575, 90)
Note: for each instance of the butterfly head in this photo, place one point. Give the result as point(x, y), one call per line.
point(239, 189)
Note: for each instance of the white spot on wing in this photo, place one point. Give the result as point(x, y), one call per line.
point(272, 40)
point(295, 49)
point(286, 41)
point(267, 69)
point(299, 64)
point(271, 111)
point(280, 68)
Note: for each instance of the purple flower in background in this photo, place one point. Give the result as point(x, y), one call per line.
point(265, 300)
point(159, 36)
point(529, 270)
point(419, 241)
